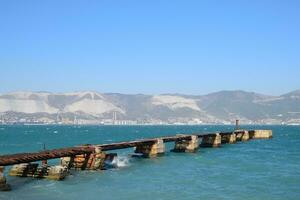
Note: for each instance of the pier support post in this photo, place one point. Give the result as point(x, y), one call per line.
point(97, 159)
point(211, 140)
point(44, 163)
point(151, 150)
point(32, 170)
point(79, 161)
point(260, 134)
point(57, 172)
point(93, 161)
point(242, 135)
point(187, 145)
point(228, 138)
point(3, 185)
point(67, 162)
point(23, 170)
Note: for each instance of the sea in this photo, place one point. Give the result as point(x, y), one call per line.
point(252, 170)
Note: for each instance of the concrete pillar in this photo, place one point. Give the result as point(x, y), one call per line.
point(187, 145)
point(260, 134)
point(242, 135)
point(67, 162)
point(3, 185)
point(56, 172)
point(23, 170)
point(151, 150)
point(211, 140)
point(32, 170)
point(44, 163)
point(97, 159)
point(79, 161)
point(228, 138)
point(93, 161)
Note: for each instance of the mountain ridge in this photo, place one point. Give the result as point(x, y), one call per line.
point(95, 107)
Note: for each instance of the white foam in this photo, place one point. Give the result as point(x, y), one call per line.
point(120, 161)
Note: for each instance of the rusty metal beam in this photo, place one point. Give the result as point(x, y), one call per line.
point(124, 145)
point(72, 151)
point(43, 155)
point(129, 144)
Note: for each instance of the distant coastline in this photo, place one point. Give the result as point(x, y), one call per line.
point(60, 124)
point(90, 107)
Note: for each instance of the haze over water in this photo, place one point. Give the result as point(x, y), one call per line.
point(257, 169)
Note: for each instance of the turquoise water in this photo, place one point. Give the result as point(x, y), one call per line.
point(258, 169)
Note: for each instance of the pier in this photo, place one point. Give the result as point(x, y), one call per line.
point(94, 156)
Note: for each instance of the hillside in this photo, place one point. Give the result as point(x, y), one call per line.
point(93, 107)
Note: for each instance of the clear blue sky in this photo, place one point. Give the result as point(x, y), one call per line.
point(192, 47)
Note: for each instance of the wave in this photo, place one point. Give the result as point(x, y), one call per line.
point(120, 161)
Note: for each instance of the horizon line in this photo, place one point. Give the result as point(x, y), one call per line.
point(150, 94)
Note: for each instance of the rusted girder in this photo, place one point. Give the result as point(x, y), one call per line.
point(212, 134)
point(226, 133)
point(123, 145)
point(176, 137)
point(72, 151)
point(43, 155)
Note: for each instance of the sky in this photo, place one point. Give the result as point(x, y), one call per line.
point(151, 47)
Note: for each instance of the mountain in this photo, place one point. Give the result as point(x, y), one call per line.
point(93, 107)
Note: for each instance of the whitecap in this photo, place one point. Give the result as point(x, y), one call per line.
point(120, 161)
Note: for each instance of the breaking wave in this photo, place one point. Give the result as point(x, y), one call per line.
point(121, 161)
